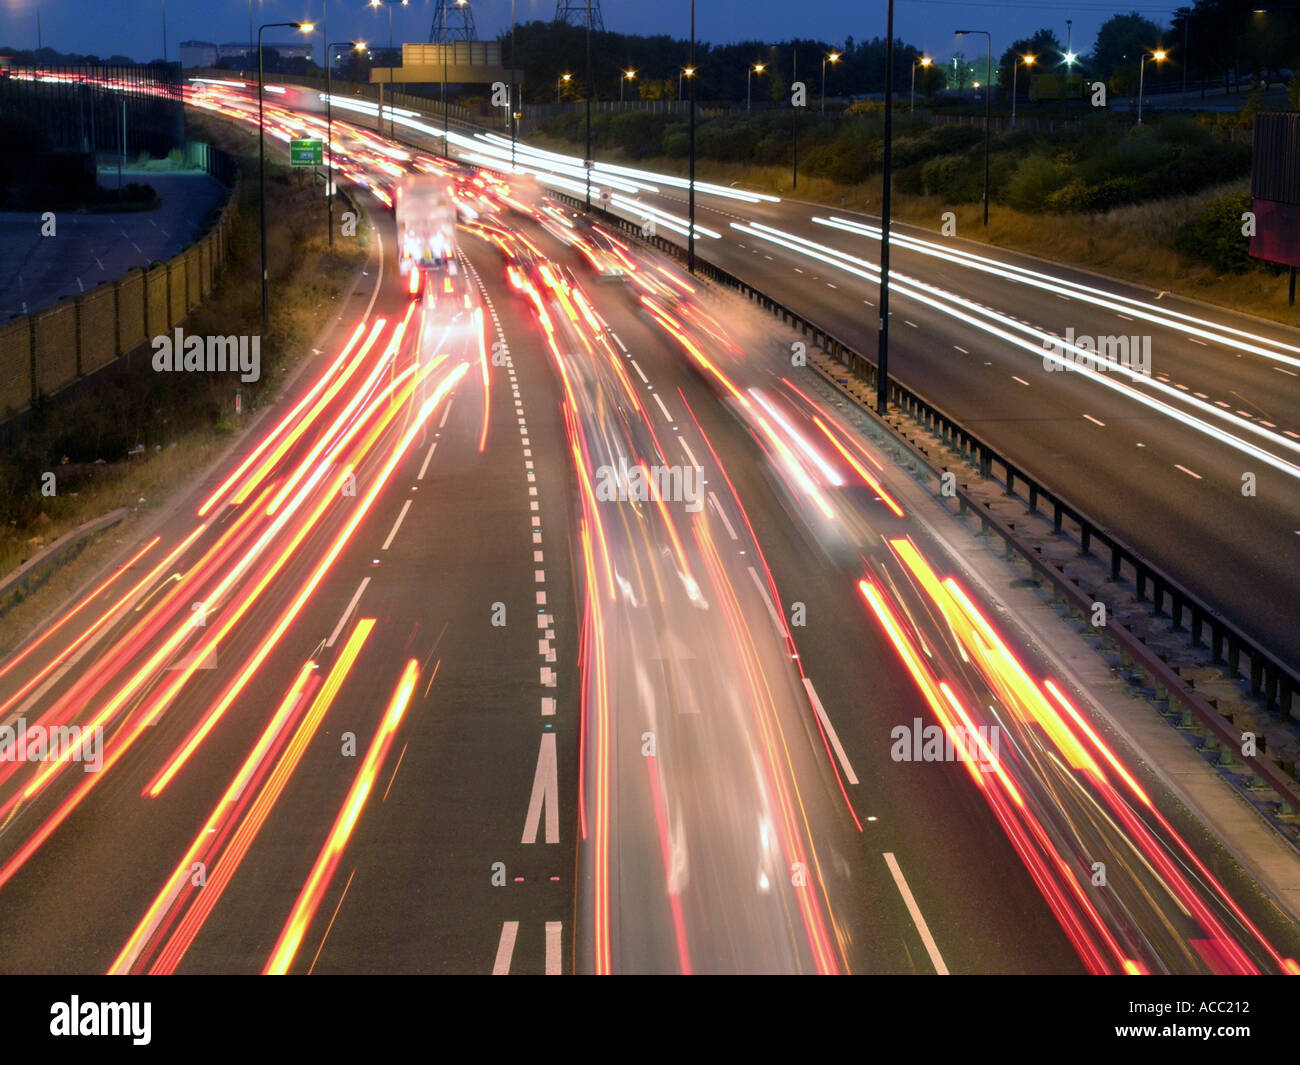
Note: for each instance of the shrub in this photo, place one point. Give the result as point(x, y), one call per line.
point(1032, 182)
point(1215, 237)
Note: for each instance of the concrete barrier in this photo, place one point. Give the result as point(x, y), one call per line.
point(96, 325)
point(155, 301)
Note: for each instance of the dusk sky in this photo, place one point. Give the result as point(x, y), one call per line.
point(134, 27)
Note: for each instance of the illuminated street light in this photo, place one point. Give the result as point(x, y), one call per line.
point(1159, 56)
point(628, 75)
point(1029, 61)
point(757, 68)
point(305, 27)
point(832, 58)
point(924, 61)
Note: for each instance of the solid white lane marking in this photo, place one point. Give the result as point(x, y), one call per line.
point(936, 959)
point(1095, 421)
point(347, 613)
point(849, 775)
point(553, 929)
point(546, 793)
point(397, 524)
point(1188, 472)
point(505, 948)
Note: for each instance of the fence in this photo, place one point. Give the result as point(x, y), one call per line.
point(44, 352)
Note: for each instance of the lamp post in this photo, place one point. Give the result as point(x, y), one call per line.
point(987, 93)
point(305, 27)
point(832, 58)
point(1016, 60)
point(688, 72)
point(690, 228)
point(1158, 55)
point(757, 68)
point(882, 344)
point(794, 120)
point(563, 79)
point(586, 161)
point(924, 61)
point(628, 75)
point(356, 46)
point(514, 120)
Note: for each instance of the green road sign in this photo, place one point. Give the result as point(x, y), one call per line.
point(306, 153)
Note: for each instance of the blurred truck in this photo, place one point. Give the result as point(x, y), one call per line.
point(426, 229)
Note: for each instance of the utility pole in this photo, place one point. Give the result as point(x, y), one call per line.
point(587, 160)
point(690, 233)
point(882, 345)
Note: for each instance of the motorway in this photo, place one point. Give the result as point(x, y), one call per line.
point(1159, 456)
point(422, 678)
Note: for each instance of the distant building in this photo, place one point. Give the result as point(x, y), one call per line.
point(198, 54)
point(286, 50)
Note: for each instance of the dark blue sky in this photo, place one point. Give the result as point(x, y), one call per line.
point(134, 27)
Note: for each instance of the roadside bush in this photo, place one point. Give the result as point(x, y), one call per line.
point(1215, 237)
point(1033, 180)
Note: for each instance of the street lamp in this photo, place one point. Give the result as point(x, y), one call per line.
point(882, 342)
point(305, 27)
point(757, 68)
point(1016, 60)
point(924, 61)
point(356, 46)
point(833, 58)
point(628, 75)
point(987, 93)
point(563, 79)
point(688, 72)
point(1158, 55)
point(389, 5)
point(690, 231)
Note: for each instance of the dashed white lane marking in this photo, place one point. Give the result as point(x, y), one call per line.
point(548, 707)
point(1124, 316)
point(689, 453)
point(1289, 373)
point(397, 524)
point(554, 931)
point(1095, 421)
point(849, 775)
point(829, 285)
point(546, 794)
point(505, 948)
point(1195, 341)
point(640, 371)
point(767, 602)
point(356, 597)
point(446, 412)
point(619, 342)
point(668, 417)
point(723, 515)
point(962, 350)
point(1020, 379)
point(936, 959)
point(1189, 473)
point(912, 324)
